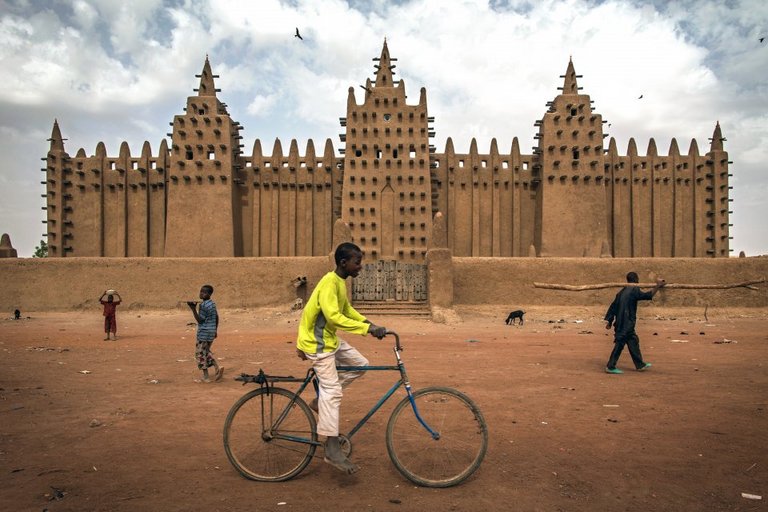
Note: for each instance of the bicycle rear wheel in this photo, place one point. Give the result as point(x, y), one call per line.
point(260, 445)
point(442, 462)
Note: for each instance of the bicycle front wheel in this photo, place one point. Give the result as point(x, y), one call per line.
point(459, 448)
point(267, 439)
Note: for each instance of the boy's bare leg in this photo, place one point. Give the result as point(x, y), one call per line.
point(219, 371)
point(205, 375)
point(107, 338)
point(336, 458)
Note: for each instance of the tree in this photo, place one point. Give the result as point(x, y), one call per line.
point(41, 251)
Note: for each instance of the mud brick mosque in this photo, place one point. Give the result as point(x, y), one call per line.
point(572, 196)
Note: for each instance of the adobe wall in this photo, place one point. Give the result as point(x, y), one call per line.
point(488, 199)
point(509, 281)
point(51, 284)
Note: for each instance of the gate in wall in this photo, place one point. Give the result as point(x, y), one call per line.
point(385, 280)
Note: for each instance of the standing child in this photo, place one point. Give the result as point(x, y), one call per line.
point(326, 311)
point(207, 326)
point(623, 314)
point(110, 312)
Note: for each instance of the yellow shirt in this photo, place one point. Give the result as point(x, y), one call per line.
point(327, 310)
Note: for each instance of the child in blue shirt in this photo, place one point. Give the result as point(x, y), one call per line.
point(207, 329)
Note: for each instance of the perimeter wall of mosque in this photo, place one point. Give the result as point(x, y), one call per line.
point(62, 284)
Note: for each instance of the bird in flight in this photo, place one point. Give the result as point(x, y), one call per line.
point(641, 97)
point(297, 34)
point(762, 39)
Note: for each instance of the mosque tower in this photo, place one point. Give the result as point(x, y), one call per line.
point(56, 179)
point(386, 198)
point(203, 199)
point(571, 203)
point(718, 237)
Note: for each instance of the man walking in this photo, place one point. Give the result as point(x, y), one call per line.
point(622, 314)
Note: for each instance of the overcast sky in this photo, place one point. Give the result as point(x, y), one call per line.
point(113, 71)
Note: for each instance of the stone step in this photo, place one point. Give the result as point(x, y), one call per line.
point(372, 313)
point(393, 308)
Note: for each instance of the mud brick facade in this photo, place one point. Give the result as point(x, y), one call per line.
point(572, 196)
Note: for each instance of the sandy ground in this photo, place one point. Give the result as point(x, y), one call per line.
point(87, 424)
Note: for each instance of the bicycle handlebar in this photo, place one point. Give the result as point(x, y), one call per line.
point(398, 347)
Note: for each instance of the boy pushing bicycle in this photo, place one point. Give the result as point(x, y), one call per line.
point(327, 310)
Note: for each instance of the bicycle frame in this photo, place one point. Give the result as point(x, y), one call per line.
point(402, 381)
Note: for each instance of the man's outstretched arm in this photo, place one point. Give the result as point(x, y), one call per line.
point(660, 283)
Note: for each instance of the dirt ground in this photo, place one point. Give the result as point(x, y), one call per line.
point(92, 425)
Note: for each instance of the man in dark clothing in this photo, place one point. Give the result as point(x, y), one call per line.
point(622, 314)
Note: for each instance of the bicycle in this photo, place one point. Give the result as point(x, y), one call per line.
point(270, 433)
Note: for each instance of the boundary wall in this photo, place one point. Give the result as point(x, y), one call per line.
point(62, 284)
point(510, 281)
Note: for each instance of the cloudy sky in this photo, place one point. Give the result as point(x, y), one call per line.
point(113, 71)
